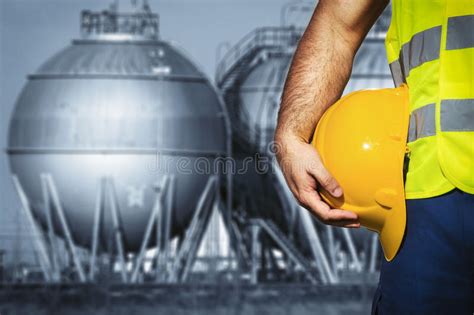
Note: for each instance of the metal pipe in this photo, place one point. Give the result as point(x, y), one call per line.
point(352, 250)
point(95, 229)
point(38, 240)
point(65, 227)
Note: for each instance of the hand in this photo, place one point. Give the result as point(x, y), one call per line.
point(304, 171)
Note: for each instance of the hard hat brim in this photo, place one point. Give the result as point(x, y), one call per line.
point(391, 235)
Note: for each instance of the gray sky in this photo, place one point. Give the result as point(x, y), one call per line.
point(32, 30)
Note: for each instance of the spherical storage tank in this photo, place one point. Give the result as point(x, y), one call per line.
point(118, 103)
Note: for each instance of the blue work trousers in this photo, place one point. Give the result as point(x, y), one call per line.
point(433, 273)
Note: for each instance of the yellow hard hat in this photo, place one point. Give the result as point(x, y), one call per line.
point(362, 142)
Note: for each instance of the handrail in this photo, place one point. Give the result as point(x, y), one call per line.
point(144, 23)
point(261, 37)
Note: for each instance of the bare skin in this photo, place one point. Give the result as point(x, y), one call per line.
point(318, 74)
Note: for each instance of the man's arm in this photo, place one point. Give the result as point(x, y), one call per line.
point(318, 74)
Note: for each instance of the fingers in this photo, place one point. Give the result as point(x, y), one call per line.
point(304, 171)
point(346, 224)
point(315, 167)
point(303, 186)
point(354, 223)
point(324, 178)
point(337, 217)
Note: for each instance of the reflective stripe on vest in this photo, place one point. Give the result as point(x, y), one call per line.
point(425, 46)
point(460, 32)
point(422, 122)
point(455, 115)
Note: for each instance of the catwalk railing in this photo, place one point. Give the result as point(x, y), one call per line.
point(260, 38)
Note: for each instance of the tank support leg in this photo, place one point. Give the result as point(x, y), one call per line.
point(327, 275)
point(227, 215)
point(67, 233)
point(38, 236)
point(373, 252)
point(164, 251)
point(352, 250)
point(331, 247)
point(112, 199)
point(159, 239)
point(256, 250)
point(187, 252)
point(243, 257)
point(208, 206)
point(51, 237)
point(151, 223)
point(96, 229)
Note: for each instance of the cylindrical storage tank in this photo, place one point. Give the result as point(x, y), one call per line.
point(119, 103)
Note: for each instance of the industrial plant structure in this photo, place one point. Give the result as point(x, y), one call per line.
point(128, 162)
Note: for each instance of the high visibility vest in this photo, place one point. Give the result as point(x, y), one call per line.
point(430, 46)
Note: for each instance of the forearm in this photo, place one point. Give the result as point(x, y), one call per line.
point(322, 66)
point(320, 70)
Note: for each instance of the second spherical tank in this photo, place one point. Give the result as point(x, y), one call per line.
point(129, 108)
point(259, 94)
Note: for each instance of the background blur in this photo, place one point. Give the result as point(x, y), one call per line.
point(94, 126)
